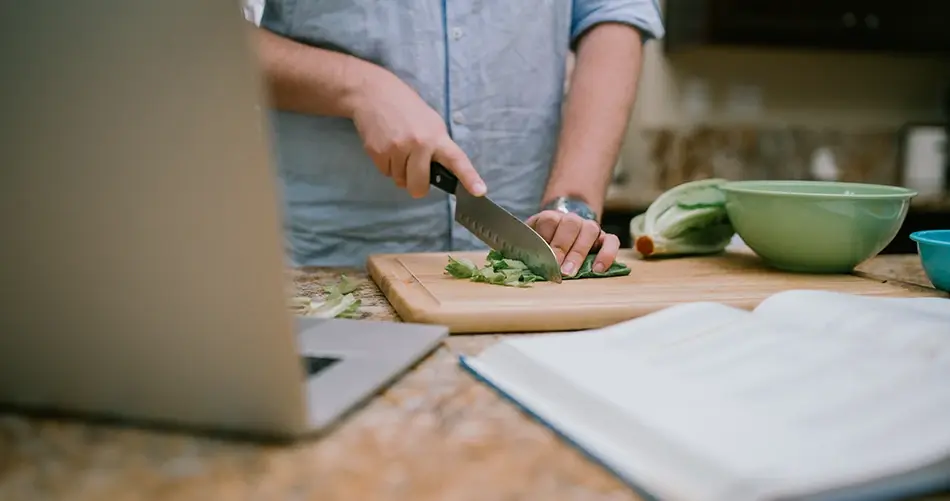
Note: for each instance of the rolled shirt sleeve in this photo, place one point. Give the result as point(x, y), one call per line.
point(253, 10)
point(643, 15)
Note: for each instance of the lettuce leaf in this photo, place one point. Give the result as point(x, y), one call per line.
point(513, 273)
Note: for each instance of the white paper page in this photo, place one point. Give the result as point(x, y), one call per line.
point(669, 325)
point(909, 306)
point(935, 305)
point(766, 402)
point(918, 326)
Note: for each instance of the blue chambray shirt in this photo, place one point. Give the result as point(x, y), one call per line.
point(493, 68)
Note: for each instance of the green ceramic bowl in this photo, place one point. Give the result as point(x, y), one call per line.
point(816, 226)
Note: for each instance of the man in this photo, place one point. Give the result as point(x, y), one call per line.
point(368, 92)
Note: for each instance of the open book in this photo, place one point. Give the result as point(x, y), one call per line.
point(813, 395)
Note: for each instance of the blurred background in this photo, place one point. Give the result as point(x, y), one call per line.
point(849, 90)
point(846, 90)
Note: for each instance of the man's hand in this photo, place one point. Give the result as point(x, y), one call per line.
point(400, 132)
point(403, 135)
point(601, 96)
point(573, 238)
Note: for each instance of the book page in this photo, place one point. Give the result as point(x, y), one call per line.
point(909, 325)
point(760, 397)
point(670, 325)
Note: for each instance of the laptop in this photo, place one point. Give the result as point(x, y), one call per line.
point(143, 258)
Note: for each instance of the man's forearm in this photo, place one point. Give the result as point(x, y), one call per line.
point(599, 102)
point(310, 80)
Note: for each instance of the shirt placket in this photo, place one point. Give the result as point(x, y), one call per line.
point(452, 33)
point(457, 52)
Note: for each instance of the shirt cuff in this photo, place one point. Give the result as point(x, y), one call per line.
point(644, 15)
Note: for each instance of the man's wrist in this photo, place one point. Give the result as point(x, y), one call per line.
point(360, 81)
point(571, 205)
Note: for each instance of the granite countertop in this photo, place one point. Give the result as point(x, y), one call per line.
point(434, 435)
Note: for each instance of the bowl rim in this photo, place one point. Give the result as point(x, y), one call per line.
point(923, 236)
point(896, 192)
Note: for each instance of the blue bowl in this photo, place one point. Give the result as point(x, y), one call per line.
point(934, 249)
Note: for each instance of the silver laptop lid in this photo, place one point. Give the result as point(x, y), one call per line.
point(140, 216)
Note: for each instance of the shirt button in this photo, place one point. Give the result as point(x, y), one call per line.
point(458, 117)
point(457, 33)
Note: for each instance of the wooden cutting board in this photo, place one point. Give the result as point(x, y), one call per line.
point(420, 291)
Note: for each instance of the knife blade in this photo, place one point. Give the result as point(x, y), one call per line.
point(496, 227)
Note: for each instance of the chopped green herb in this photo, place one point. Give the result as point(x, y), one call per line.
point(339, 302)
point(335, 306)
point(499, 270)
point(345, 286)
point(461, 268)
point(587, 270)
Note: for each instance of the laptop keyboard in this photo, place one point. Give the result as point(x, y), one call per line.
point(316, 365)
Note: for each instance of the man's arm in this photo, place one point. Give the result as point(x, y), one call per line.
point(599, 102)
point(311, 80)
point(400, 132)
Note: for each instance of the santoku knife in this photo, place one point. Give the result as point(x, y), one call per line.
point(497, 227)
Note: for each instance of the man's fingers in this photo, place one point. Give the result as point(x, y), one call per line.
point(454, 159)
point(417, 171)
point(609, 247)
point(397, 168)
point(384, 164)
point(568, 228)
point(573, 238)
point(586, 238)
point(545, 224)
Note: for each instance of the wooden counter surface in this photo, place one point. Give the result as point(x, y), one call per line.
point(436, 435)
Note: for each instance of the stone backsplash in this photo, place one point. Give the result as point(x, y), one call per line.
point(658, 159)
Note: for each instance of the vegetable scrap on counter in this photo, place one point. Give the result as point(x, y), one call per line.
point(499, 270)
point(688, 219)
point(339, 302)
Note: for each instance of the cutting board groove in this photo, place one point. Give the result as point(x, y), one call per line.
point(420, 291)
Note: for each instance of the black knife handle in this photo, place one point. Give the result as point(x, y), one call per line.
point(441, 178)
